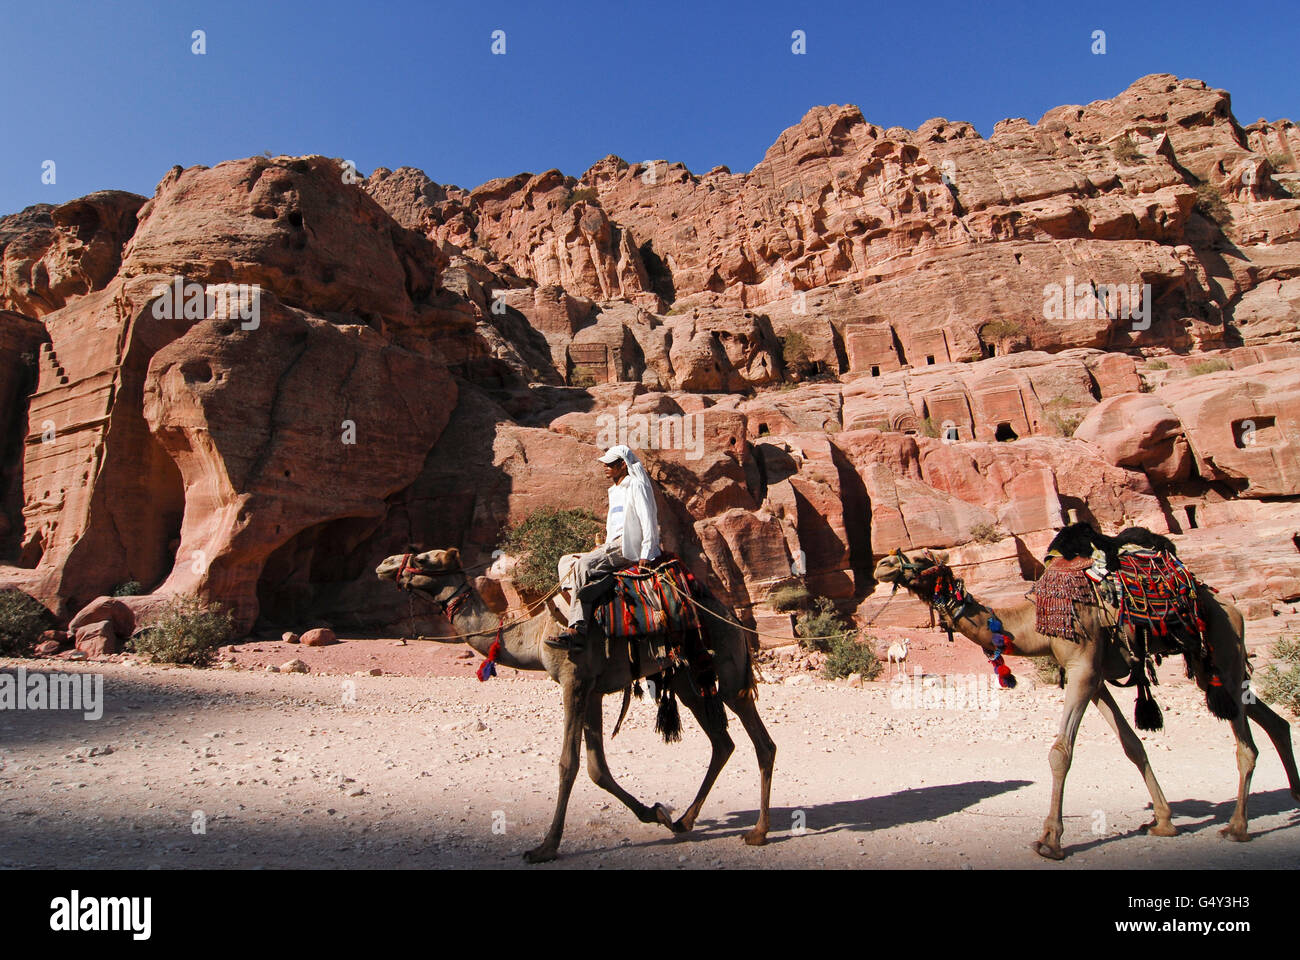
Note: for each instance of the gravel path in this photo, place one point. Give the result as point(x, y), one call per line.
point(358, 771)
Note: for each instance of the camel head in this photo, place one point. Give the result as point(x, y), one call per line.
point(909, 572)
point(436, 573)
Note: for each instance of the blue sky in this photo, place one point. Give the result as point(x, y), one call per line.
point(111, 92)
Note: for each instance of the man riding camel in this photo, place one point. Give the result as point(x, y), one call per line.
point(631, 538)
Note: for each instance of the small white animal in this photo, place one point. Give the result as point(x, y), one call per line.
point(897, 654)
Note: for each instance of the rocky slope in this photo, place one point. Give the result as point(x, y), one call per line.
point(875, 338)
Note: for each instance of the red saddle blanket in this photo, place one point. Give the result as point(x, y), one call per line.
point(1062, 584)
point(650, 601)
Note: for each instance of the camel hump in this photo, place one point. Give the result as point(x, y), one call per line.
point(1082, 539)
point(1146, 539)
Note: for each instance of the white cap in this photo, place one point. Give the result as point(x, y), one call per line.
point(617, 452)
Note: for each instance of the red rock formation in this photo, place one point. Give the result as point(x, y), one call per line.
point(874, 339)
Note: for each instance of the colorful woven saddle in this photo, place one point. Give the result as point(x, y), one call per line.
point(1158, 594)
point(651, 602)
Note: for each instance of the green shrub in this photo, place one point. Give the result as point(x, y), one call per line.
point(789, 598)
point(1000, 330)
point(187, 631)
point(1064, 422)
point(128, 588)
point(1279, 160)
point(1209, 203)
point(539, 541)
point(1281, 684)
point(794, 352)
point(1158, 365)
point(985, 533)
point(1213, 365)
point(582, 378)
point(929, 428)
point(21, 621)
point(583, 194)
point(848, 654)
point(819, 623)
point(1126, 150)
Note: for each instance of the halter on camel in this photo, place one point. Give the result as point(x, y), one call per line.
point(448, 608)
point(945, 593)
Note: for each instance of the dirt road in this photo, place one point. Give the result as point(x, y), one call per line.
point(313, 770)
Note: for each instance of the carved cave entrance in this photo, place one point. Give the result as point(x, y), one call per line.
point(313, 573)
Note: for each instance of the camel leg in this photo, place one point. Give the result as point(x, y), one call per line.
point(1279, 731)
point(1246, 754)
point(1080, 689)
point(1162, 825)
point(721, 743)
point(743, 707)
point(576, 693)
point(598, 767)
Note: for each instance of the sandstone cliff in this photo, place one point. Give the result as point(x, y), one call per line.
point(875, 338)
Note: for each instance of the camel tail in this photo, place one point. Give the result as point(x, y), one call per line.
point(749, 689)
point(627, 699)
point(1220, 700)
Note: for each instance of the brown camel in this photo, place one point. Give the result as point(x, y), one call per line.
point(585, 683)
point(1090, 662)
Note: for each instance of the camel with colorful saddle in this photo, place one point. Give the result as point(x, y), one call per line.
point(650, 628)
point(1107, 609)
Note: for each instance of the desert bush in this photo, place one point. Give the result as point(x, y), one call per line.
point(928, 428)
point(1279, 160)
point(1158, 365)
point(21, 621)
point(794, 352)
point(820, 620)
point(1213, 365)
point(538, 542)
point(1059, 416)
point(985, 533)
point(583, 194)
point(1209, 203)
point(128, 588)
point(791, 597)
point(1280, 684)
point(187, 630)
point(582, 378)
point(1002, 329)
point(848, 654)
point(1126, 150)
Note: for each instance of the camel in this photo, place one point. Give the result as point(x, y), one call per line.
point(1089, 663)
point(897, 655)
point(585, 683)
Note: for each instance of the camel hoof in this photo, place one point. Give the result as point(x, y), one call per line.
point(1047, 851)
point(664, 816)
point(1233, 833)
point(755, 838)
point(539, 855)
point(1157, 829)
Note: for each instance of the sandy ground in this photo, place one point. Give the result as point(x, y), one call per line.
point(338, 770)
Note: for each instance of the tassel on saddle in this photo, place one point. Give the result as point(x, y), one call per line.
point(668, 721)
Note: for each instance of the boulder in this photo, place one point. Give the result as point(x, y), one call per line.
point(120, 616)
point(97, 639)
point(319, 637)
